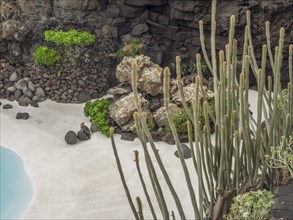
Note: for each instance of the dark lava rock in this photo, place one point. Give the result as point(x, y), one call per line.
point(34, 104)
point(23, 116)
point(186, 151)
point(284, 202)
point(71, 138)
point(168, 138)
point(127, 136)
point(7, 106)
point(155, 136)
point(84, 133)
point(17, 94)
point(24, 101)
point(84, 96)
point(21, 84)
point(93, 128)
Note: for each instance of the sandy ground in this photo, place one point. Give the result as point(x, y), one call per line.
point(82, 181)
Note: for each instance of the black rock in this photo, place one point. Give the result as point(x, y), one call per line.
point(7, 106)
point(0, 103)
point(186, 151)
point(127, 136)
point(84, 133)
point(23, 116)
point(283, 202)
point(168, 138)
point(93, 128)
point(84, 96)
point(71, 138)
point(17, 94)
point(24, 101)
point(34, 104)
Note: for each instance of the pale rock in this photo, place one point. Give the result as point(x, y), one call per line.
point(160, 114)
point(122, 111)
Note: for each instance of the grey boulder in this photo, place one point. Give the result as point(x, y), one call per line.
point(84, 134)
point(21, 84)
point(27, 92)
point(11, 89)
point(17, 94)
point(13, 77)
point(186, 152)
point(7, 106)
point(24, 101)
point(139, 29)
point(23, 116)
point(70, 138)
point(40, 92)
point(31, 86)
point(127, 136)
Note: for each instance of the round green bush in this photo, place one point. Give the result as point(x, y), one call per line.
point(98, 111)
point(254, 205)
point(46, 56)
point(180, 120)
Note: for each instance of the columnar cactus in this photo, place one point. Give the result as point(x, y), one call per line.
point(234, 162)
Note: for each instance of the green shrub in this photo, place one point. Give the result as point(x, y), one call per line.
point(98, 111)
point(46, 56)
point(192, 69)
point(71, 37)
point(181, 119)
point(254, 205)
point(132, 48)
point(282, 155)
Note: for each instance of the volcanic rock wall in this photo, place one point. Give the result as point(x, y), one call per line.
point(167, 27)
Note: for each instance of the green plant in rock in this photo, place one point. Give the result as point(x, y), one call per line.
point(132, 48)
point(69, 38)
point(192, 69)
point(150, 124)
point(180, 120)
point(46, 56)
point(282, 155)
point(98, 111)
point(256, 205)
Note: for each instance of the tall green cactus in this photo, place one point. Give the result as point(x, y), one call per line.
point(234, 162)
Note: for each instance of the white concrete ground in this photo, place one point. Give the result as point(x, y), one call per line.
point(82, 181)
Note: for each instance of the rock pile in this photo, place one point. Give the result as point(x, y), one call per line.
point(150, 85)
point(86, 79)
point(23, 90)
point(83, 134)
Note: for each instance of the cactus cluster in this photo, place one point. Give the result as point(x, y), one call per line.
point(234, 162)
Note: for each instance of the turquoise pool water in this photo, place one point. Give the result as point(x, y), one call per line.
point(15, 185)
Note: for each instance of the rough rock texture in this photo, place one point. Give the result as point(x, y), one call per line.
point(70, 138)
point(166, 27)
point(186, 152)
point(149, 74)
point(7, 106)
point(84, 134)
point(284, 204)
point(122, 111)
point(160, 114)
point(123, 106)
point(189, 94)
point(23, 116)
